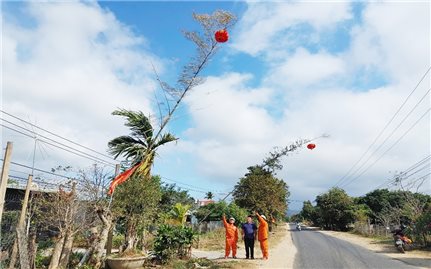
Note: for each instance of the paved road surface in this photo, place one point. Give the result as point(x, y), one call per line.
point(317, 250)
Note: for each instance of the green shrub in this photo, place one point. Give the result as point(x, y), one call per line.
point(117, 240)
point(8, 226)
point(173, 241)
point(42, 261)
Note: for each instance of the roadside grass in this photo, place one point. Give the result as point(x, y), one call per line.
point(277, 234)
point(214, 240)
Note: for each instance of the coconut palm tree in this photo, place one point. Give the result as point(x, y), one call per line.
point(141, 145)
point(209, 195)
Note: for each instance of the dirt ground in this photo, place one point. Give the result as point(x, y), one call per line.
point(417, 258)
point(281, 254)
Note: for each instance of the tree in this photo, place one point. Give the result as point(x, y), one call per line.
point(171, 196)
point(94, 182)
point(179, 213)
point(214, 212)
point(136, 204)
point(141, 145)
point(334, 209)
point(209, 195)
point(378, 201)
point(308, 212)
point(259, 190)
point(63, 214)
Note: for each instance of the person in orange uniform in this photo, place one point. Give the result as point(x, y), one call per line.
point(231, 236)
point(262, 235)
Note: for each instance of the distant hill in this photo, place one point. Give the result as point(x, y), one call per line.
point(291, 212)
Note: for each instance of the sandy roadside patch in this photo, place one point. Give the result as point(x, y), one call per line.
point(421, 259)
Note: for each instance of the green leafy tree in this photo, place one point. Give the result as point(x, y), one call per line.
point(308, 212)
point(172, 195)
point(334, 209)
point(259, 190)
point(215, 211)
point(378, 201)
point(135, 205)
point(422, 228)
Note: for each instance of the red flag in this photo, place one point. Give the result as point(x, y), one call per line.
point(121, 178)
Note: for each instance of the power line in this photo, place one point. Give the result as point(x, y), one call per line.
point(393, 145)
point(412, 167)
point(51, 144)
point(39, 170)
point(384, 128)
point(185, 184)
point(391, 134)
point(419, 163)
point(59, 136)
point(414, 181)
point(35, 137)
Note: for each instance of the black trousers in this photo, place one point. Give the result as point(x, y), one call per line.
point(249, 247)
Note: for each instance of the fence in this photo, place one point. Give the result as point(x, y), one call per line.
point(372, 229)
point(207, 226)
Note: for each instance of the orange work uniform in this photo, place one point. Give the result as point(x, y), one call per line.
point(231, 238)
point(262, 236)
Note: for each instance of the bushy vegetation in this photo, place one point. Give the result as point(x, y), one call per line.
point(337, 211)
point(173, 241)
point(215, 211)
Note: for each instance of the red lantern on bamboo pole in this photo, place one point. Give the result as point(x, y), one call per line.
point(311, 146)
point(221, 36)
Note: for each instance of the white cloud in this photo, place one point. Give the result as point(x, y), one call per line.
point(71, 68)
point(304, 69)
point(262, 22)
point(395, 38)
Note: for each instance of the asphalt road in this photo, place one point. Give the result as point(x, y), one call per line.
point(317, 250)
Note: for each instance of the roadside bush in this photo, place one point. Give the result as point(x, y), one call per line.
point(173, 241)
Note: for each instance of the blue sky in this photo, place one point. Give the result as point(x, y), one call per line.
point(290, 70)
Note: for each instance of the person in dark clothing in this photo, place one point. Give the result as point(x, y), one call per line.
point(249, 235)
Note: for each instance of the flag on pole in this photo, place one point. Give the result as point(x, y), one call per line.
point(121, 178)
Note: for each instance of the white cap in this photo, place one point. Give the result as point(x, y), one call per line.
point(263, 216)
point(231, 218)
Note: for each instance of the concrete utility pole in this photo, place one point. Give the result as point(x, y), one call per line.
point(20, 228)
point(5, 177)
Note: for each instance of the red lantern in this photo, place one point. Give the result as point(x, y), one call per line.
point(311, 146)
point(221, 36)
